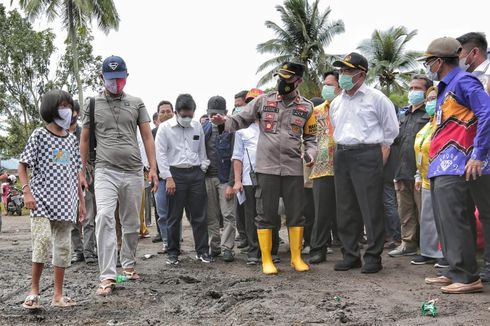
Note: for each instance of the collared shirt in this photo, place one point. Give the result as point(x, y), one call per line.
point(116, 125)
point(326, 145)
point(180, 147)
point(482, 72)
point(462, 121)
point(410, 124)
point(284, 126)
point(245, 150)
point(367, 117)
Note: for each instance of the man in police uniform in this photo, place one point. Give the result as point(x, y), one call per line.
point(286, 120)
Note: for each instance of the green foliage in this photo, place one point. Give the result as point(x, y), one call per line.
point(399, 99)
point(25, 57)
point(24, 68)
point(391, 65)
point(305, 33)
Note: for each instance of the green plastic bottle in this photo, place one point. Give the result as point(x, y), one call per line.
point(121, 279)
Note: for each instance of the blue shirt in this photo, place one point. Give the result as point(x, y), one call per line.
point(453, 136)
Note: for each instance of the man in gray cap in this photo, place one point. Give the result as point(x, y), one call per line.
point(219, 184)
point(459, 147)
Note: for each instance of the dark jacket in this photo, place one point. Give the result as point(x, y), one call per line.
point(219, 152)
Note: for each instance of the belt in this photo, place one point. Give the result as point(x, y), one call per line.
point(356, 146)
point(186, 168)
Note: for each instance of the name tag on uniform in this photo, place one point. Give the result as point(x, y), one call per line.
point(438, 117)
point(419, 159)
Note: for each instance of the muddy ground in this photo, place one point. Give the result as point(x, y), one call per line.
point(221, 293)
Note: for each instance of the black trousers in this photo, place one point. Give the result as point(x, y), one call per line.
point(309, 214)
point(240, 220)
point(250, 211)
point(190, 193)
point(359, 198)
point(480, 193)
point(450, 201)
point(267, 194)
point(325, 213)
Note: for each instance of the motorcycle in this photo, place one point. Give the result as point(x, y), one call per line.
point(15, 202)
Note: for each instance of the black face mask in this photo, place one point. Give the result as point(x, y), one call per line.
point(283, 87)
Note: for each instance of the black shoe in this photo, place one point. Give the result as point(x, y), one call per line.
point(242, 244)
point(253, 261)
point(422, 260)
point(441, 263)
point(228, 256)
point(276, 259)
point(485, 272)
point(215, 253)
point(317, 258)
point(90, 260)
point(172, 260)
point(205, 258)
point(346, 265)
point(76, 258)
point(371, 268)
point(157, 238)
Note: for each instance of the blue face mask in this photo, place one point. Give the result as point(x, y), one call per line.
point(416, 97)
point(328, 92)
point(430, 107)
point(345, 81)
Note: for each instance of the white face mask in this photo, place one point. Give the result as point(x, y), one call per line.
point(430, 74)
point(184, 121)
point(65, 117)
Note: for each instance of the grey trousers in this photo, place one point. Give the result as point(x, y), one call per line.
point(112, 186)
point(450, 198)
point(429, 240)
point(218, 205)
point(87, 245)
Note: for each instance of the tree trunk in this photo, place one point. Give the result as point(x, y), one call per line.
point(73, 38)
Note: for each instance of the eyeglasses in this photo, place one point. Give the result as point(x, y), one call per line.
point(348, 71)
point(429, 62)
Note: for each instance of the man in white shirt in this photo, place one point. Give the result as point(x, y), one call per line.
point(474, 58)
point(365, 125)
point(182, 161)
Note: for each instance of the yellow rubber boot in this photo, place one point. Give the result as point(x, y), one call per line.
point(295, 242)
point(265, 243)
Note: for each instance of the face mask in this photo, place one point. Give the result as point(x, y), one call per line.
point(416, 97)
point(432, 75)
point(328, 92)
point(283, 87)
point(115, 86)
point(237, 110)
point(345, 81)
point(64, 120)
point(184, 121)
point(430, 107)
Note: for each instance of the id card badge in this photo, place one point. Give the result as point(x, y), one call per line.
point(419, 159)
point(438, 117)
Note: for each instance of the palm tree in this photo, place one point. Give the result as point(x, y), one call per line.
point(75, 14)
point(305, 33)
point(391, 65)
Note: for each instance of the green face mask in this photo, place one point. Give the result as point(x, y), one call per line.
point(328, 92)
point(430, 107)
point(345, 81)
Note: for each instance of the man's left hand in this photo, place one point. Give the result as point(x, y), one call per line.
point(229, 193)
point(473, 168)
point(152, 175)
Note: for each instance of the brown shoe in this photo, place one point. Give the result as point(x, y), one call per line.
point(461, 288)
point(440, 280)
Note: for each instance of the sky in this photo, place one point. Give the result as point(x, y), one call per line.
point(208, 48)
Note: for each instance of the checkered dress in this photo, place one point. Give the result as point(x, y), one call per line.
point(55, 163)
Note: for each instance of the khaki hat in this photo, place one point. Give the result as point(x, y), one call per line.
point(444, 47)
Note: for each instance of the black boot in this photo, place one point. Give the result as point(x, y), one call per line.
point(485, 272)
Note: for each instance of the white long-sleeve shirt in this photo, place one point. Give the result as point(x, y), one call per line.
point(367, 117)
point(180, 147)
point(246, 140)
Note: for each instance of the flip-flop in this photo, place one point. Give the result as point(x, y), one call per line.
point(132, 275)
point(105, 289)
point(35, 299)
point(65, 302)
